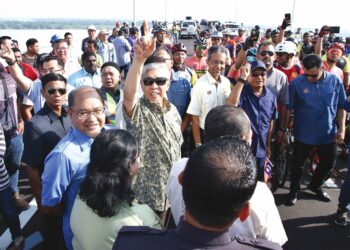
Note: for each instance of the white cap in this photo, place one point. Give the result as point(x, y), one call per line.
point(92, 27)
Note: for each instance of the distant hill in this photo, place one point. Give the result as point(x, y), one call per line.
point(56, 23)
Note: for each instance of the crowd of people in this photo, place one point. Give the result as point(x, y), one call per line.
point(129, 134)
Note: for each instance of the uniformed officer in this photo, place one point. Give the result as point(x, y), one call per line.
point(218, 181)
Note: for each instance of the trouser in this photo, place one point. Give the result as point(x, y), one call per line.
point(9, 212)
point(260, 162)
point(327, 154)
point(53, 234)
point(125, 68)
point(13, 159)
point(344, 196)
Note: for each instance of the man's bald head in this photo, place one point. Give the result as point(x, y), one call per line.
point(227, 121)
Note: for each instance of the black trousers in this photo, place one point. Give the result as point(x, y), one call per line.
point(327, 154)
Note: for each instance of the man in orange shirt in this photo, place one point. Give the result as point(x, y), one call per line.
point(198, 62)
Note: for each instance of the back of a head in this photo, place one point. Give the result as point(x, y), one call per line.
point(219, 179)
point(312, 61)
point(226, 121)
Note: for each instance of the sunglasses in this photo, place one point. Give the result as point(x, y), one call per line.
point(262, 74)
point(281, 54)
point(215, 38)
point(52, 91)
point(200, 47)
point(160, 81)
point(311, 75)
point(266, 52)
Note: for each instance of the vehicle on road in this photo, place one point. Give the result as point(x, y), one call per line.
point(189, 28)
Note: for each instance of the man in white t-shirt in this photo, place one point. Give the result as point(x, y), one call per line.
point(264, 220)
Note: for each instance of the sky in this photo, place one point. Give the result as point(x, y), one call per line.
point(307, 13)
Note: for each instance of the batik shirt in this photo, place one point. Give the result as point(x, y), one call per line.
point(158, 133)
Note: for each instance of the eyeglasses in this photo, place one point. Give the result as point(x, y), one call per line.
point(160, 81)
point(266, 52)
point(200, 47)
point(281, 54)
point(216, 38)
point(61, 49)
point(262, 74)
point(311, 75)
point(61, 91)
point(46, 71)
point(84, 114)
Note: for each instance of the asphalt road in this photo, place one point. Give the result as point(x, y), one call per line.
point(308, 224)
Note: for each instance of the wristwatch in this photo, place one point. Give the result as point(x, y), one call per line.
point(242, 80)
point(11, 62)
point(198, 145)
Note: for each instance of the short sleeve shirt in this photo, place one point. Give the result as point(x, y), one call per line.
point(277, 83)
point(65, 169)
point(261, 110)
point(208, 94)
point(315, 108)
point(41, 135)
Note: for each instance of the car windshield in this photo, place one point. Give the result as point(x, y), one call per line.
point(232, 26)
point(188, 24)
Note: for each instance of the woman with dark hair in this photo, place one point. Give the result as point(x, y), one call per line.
point(105, 200)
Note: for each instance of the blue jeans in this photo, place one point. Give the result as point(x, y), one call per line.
point(344, 196)
point(13, 159)
point(125, 68)
point(9, 212)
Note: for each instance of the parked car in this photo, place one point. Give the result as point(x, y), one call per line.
point(233, 27)
point(189, 28)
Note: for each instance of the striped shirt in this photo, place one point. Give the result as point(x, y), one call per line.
point(4, 178)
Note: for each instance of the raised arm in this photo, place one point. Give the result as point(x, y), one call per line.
point(24, 83)
point(235, 94)
point(143, 48)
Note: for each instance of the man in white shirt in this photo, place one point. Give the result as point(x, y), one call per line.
point(211, 90)
point(264, 220)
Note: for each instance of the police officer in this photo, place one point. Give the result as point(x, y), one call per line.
point(218, 181)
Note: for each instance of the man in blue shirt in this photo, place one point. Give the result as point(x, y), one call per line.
point(89, 74)
point(66, 165)
point(251, 94)
point(41, 135)
point(317, 99)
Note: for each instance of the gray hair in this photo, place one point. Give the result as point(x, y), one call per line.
point(155, 66)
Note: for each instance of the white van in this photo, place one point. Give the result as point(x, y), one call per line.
point(189, 28)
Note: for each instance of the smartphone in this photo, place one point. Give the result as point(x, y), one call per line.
point(334, 29)
point(287, 16)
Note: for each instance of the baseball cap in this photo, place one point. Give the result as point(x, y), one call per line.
point(257, 64)
point(91, 27)
point(54, 38)
point(104, 31)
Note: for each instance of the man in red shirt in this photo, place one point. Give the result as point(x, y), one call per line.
point(26, 68)
point(285, 51)
point(198, 62)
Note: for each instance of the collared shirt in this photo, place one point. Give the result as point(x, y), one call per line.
point(41, 135)
point(263, 222)
point(315, 108)
point(34, 94)
point(107, 52)
point(277, 82)
point(208, 94)
point(65, 169)
point(158, 133)
point(179, 92)
point(185, 236)
point(261, 110)
point(11, 99)
point(83, 78)
point(122, 50)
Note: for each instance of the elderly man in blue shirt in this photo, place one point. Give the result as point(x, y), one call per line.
point(66, 165)
point(317, 99)
point(251, 94)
